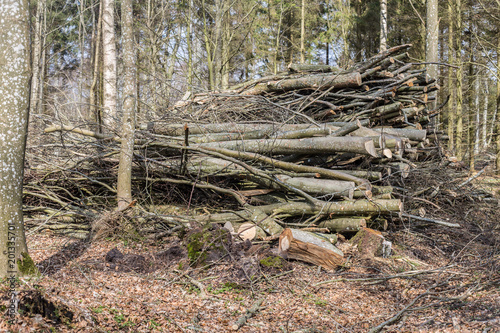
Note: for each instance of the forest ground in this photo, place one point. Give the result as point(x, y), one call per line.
point(437, 280)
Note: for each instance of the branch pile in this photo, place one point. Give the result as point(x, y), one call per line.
point(311, 148)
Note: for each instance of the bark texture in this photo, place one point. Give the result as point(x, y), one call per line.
point(109, 62)
point(124, 187)
point(14, 105)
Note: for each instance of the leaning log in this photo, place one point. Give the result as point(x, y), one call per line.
point(311, 248)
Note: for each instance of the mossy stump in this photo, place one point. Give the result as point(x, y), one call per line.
point(371, 243)
point(207, 244)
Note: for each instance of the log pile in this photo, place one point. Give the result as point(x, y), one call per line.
point(311, 148)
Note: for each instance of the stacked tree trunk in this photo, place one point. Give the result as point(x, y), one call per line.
point(310, 148)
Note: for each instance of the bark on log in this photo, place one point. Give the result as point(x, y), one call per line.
point(315, 186)
point(343, 208)
point(197, 128)
point(307, 82)
point(412, 134)
point(267, 223)
point(322, 145)
point(295, 68)
point(326, 173)
point(344, 224)
point(311, 248)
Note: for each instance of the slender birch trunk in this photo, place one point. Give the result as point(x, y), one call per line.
point(109, 62)
point(383, 25)
point(432, 40)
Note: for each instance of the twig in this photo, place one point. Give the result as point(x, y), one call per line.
point(398, 316)
point(248, 314)
point(471, 178)
point(425, 219)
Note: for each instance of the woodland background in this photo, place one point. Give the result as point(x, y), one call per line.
point(198, 46)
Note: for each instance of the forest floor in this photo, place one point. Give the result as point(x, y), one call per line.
point(437, 280)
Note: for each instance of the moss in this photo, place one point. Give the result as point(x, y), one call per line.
point(272, 261)
point(26, 265)
point(205, 240)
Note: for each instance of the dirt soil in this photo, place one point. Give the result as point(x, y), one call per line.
point(135, 286)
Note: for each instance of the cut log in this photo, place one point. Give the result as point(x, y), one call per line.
point(197, 128)
point(249, 231)
point(344, 208)
point(336, 188)
point(412, 134)
point(322, 145)
point(344, 224)
point(309, 247)
point(307, 82)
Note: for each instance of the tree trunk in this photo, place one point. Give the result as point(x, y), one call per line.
point(451, 87)
point(458, 62)
point(471, 131)
point(383, 25)
point(432, 40)
point(37, 53)
point(303, 32)
point(484, 141)
point(497, 126)
point(124, 190)
point(14, 97)
point(94, 100)
point(109, 63)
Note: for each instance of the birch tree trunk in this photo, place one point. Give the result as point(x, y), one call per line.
point(14, 102)
point(458, 63)
point(383, 25)
point(109, 62)
point(432, 40)
point(124, 187)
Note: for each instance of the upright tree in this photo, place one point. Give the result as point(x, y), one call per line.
point(109, 61)
point(459, 77)
point(383, 25)
point(124, 190)
point(14, 106)
point(303, 32)
point(497, 125)
point(432, 38)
